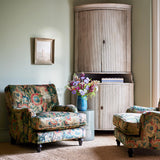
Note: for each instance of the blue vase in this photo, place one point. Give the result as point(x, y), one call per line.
point(82, 103)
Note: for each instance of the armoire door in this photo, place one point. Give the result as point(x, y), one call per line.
point(114, 98)
point(103, 38)
point(116, 41)
point(109, 105)
point(88, 43)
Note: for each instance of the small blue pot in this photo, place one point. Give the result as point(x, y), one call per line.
point(82, 103)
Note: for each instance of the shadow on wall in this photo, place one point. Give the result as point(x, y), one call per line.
point(3, 109)
point(3, 118)
point(67, 96)
point(32, 49)
point(63, 96)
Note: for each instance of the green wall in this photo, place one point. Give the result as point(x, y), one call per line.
point(22, 20)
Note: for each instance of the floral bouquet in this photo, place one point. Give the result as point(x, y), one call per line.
point(83, 86)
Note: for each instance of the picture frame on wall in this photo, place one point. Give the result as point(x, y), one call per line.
point(44, 51)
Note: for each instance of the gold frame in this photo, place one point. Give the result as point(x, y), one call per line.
point(44, 51)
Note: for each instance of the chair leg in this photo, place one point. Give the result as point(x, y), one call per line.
point(118, 142)
point(80, 141)
point(130, 152)
point(38, 147)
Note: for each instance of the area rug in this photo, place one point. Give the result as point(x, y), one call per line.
point(103, 147)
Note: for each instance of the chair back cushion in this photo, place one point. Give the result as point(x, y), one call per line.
point(39, 98)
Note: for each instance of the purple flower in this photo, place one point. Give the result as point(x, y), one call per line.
point(75, 83)
point(86, 80)
point(82, 78)
point(73, 92)
point(87, 87)
point(81, 92)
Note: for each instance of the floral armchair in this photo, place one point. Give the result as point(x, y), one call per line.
point(35, 116)
point(138, 128)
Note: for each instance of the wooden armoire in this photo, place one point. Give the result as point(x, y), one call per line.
point(103, 50)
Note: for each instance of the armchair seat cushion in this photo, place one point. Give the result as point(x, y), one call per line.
point(128, 123)
point(55, 120)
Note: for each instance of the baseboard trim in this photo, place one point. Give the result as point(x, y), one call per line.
point(4, 135)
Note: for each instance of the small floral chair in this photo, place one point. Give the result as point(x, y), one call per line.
point(138, 128)
point(35, 116)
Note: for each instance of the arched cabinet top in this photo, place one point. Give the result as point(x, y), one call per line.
point(101, 6)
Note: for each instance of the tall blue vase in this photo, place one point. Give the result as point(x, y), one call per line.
point(82, 103)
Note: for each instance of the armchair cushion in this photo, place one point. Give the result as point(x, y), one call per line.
point(139, 109)
point(128, 123)
point(57, 120)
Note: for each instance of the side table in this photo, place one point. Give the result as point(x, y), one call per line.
point(90, 125)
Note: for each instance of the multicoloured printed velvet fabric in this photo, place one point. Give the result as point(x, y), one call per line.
point(52, 136)
point(32, 115)
point(38, 98)
point(57, 120)
point(128, 123)
point(149, 135)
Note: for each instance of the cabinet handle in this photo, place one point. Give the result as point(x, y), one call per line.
point(104, 41)
point(101, 107)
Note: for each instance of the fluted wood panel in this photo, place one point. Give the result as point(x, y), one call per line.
point(103, 38)
point(115, 41)
point(88, 50)
point(114, 98)
point(128, 45)
point(126, 95)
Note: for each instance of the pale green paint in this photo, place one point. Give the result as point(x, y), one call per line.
point(21, 20)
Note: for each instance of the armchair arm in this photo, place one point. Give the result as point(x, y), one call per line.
point(150, 126)
point(66, 108)
point(139, 109)
point(20, 124)
point(28, 111)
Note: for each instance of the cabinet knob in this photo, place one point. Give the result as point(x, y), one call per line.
point(101, 107)
point(104, 41)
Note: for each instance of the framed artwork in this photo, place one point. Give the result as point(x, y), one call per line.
point(44, 51)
